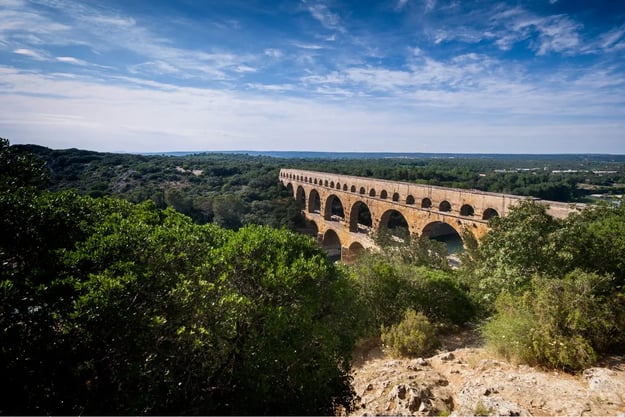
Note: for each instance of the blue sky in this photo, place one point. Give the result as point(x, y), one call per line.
point(536, 76)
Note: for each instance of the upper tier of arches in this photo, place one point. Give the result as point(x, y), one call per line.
point(413, 195)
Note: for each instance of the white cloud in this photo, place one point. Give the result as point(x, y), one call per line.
point(612, 40)
point(100, 115)
point(558, 34)
point(328, 19)
point(244, 68)
point(555, 33)
point(103, 29)
point(154, 67)
point(307, 45)
point(272, 87)
point(40, 56)
point(274, 53)
point(71, 60)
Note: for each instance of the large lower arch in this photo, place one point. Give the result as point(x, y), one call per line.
point(310, 228)
point(360, 218)
point(354, 250)
point(444, 232)
point(394, 223)
point(332, 245)
point(334, 209)
point(314, 202)
point(300, 198)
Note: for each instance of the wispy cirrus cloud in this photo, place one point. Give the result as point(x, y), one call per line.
point(105, 30)
point(507, 26)
point(325, 16)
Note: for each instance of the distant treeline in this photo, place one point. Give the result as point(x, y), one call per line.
point(233, 189)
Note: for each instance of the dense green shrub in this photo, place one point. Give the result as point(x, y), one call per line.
point(563, 323)
point(413, 336)
point(388, 286)
point(510, 332)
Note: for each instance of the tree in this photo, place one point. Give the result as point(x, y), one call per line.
point(114, 308)
point(19, 169)
point(518, 246)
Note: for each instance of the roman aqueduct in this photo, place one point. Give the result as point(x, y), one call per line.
point(344, 212)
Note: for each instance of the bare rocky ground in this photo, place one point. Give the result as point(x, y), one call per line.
point(466, 379)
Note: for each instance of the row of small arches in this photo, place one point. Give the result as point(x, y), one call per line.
point(444, 206)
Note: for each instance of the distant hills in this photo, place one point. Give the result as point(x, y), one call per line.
point(406, 155)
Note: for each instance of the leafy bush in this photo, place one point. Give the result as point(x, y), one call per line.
point(413, 336)
point(562, 323)
point(388, 286)
point(510, 332)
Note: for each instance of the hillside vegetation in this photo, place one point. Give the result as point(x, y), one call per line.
point(158, 304)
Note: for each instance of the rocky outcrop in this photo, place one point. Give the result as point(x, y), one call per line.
point(469, 381)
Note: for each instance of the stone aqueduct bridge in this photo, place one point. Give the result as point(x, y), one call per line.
point(344, 211)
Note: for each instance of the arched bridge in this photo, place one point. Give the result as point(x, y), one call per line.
point(344, 211)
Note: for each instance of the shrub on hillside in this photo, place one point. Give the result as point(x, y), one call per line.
point(413, 336)
point(388, 286)
point(561, 323)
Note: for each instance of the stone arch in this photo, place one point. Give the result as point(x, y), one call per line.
point(383, 194)
point(395, 196)
point(315, 182)
point(372, 192)
point(356, 246)
point(360, 218)
point(467, 210)
point(410, 200)
point(353, 189)
point(344, 187)
point(394, 222)
point(289, 188)
point(314, 202)
point(331, 184)
point(354, 250)
point(446, 233)
point(310, 228)
point(300, 198)
point(338, 186)
point(325, 183)
point(444, 206)
point(426, 203)
point(331, 243)
point(489, 213)
point(334, 209)
point(362, 190)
